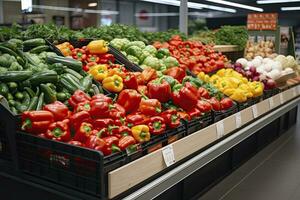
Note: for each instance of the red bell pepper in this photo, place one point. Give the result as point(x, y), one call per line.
point(150, 107)
point(171, 117)
point(216, 105)
point(148, 74)
point(88, 66)
point(202, 93)
point(130, 81)
point(93, 58)
point(102, 97)
point(159, 89)
point(77, 97)
point(76, 143)
point(120, 122)
point(124, 130)
point(125, 142)
point(194, 113)
point(183, 115)
point(176, 72)
point(111, 145)
point(117, 111)
point(83, 106)
point(142, 89)
point(79, 117)
point(58, 109)
point(36, 121)
point(84, 132)
point(99, 109)
point(157, 125)
point(184, 98)
point(95, 142)
point(103, 123)
point(135, 119)
point(204, 106)
point(79, 54)
point(59, 131)
point(129, 99)
point(226, 103)
point(191, 87)
point(106, 58)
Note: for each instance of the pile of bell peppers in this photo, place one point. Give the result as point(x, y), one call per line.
point(193, 55)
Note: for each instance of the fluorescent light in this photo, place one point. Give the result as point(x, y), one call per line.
point(237, 5)
point(26, 5)
point(172, 14)
point(276, 1)
point(92, 4)
point(192, 5)
point(289, 8)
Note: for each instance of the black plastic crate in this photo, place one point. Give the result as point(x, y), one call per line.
point(219, 115)
point(175, 134)
point(250, 102)
point(269, 93)
point(198, 123)
point(74, 167)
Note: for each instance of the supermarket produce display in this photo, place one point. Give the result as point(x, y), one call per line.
point(100, 98)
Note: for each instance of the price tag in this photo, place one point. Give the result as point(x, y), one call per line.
point(168, 154)
point(281, 98)
point(220, 129)
point(254, 111)
point(271, 102)
point(238, 120)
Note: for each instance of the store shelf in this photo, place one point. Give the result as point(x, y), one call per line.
point(124, 178)
point(226, 48)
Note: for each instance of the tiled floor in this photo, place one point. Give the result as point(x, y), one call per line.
point(272, 174)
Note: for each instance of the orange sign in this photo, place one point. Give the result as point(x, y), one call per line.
point(262, 21)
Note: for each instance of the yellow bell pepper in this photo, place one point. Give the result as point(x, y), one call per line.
point(113, 83)
point(98, 47)
point(239, 96)
point(258, 89)
point(201, 76)
point(141, 133)
point(229, 91)
point(99, 72)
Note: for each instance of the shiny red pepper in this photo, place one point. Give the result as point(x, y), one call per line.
point(36, 121)
point(130, 81)
point(202, 93)
point(176, 72)
point(117, 111)
point(135, 119)
point(106, 58)
point(95, 142)
point(150, 107)
point(129, 99)
point(171, 117)
point(76, 143)
point(111, 145)
point(79, 54)
point(77, 97)
point(103, 123)
point(204, 106)
point(102, 97)
point(157, 125)
point(159, 89)
point(99, 109)
point(59, 131)
point(83, 106)
point(194, 113)
point(79, 117)
point(183, 115)
point(84, 132)
point(58, 109)
point(93, 58)
point(125, 142)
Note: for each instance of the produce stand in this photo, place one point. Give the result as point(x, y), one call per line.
point(151, 177)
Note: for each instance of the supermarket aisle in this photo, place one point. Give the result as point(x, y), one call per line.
point(274, 173)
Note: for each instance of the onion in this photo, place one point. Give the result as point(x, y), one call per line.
point(271, 83)
point(252, 69)
point(255, 78)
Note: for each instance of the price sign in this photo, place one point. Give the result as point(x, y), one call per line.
point(281, 98)
point(168, 155)
point(220, 129)
point(254, 111)
point(238, 120)
point(271, 102)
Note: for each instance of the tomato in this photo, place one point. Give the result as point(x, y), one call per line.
point(215, 103)
point(203, 59)
point(204, 106)
point(202, 92)
point(226, 103)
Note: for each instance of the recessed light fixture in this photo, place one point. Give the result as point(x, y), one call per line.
point(276, 1)
point(290, 8)
point(94, 4)
point(237, 5)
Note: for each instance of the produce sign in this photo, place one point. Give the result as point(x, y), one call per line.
point(234, 85)
point(30, 79)
point(194, 55)
point(262, 21)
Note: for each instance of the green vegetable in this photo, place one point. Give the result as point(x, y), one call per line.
point(26, 100)
point(50, 94)
point(5, 61)
point(139, 44)
point(4, 89)
point(7, 50)
point(17, 42)
point(20, 107)
point(40, 102)
point(124, 53)
point(69, 83)
point(143, 56)
point(134, 51)
point(234, 35)
point(96, 89)
point(170, 62)
point(152, 62)
point(33, 103)
point(172, 81)
point(15, 76)
point(69, 62)
point(74, 73)
point(151, 49)
point(87, 82)
point(133, 59)
point(32, 58)
point(10, 96)
point(11, 102)
point(119, 43)
point(48, 76)
point(3, 69)
point(61, 96)
point(163, 52)
point(15, 66)
point(29, 91)
point(34, 42)
point(58, 67)
point(14, 110)
point(39, 49)
point(19, 95)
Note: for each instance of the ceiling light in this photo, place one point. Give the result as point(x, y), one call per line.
point(289, 8)
point(276, 1)
point(237, 5)
point(92, 4)
point(192, 5)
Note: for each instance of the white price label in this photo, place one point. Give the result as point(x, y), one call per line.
point(238, 120)
point(294, 91)
point(281, 98)
point(220, 129)
point(254, 111)
point(271, 102)
point(168, 154)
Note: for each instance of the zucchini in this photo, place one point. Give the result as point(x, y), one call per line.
point(50, 94)
point(58, 67)
point(75, 83)
point(95, 89)
point(16, 76)
point(86, 83)
point(30, 60)
point(29, 91)
point(4, 89)
point(34, 42)
point(40, 103)
point(5, 49)
point(69, 62)
point(39, 49)
point(74, 73)
point(33, 103)
point(26, 100)
point(48, 76)
point(67, 85)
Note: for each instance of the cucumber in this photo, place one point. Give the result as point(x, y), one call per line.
point(68, 86)
point(40, 102)
point(14, 110)
point(75, 83)
point(33, 103)
point(16, 76)
point(74, 73)
point(39, 49)
point(69, 62)
point(50, 94)
point(34, 42)
point(11, 102)
point(58, 67)
point(86, 83)
point(26, 100)
point(5, 49)
point(29, 91)
point(48, 76)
